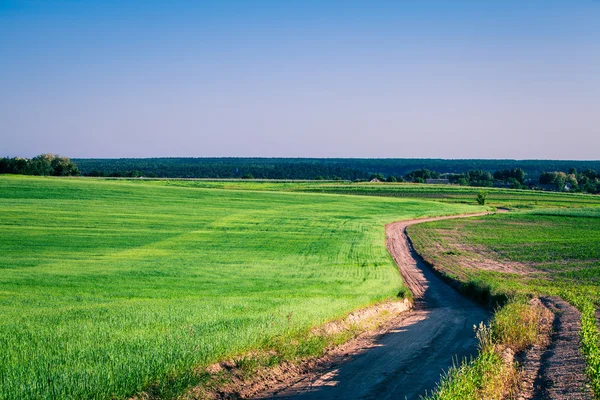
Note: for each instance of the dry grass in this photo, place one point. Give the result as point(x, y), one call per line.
point(519, 324)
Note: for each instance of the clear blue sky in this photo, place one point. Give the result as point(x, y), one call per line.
point(451, 79)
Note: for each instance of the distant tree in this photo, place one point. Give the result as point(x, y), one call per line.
point(15, 165)
point(319, 178)
point(505, 174)
point(560, 180)
point(391, 178)
point(514, 183)
point(480, 178)
point(546, 178)
point(453, 178)
point(591, 187)
point(481, 197)
point(44, 164)
point(421, 175)
point(41, 165)
point(479, 174)
point(4, 165)
point(571, 179)
point(62, 166)
point(462, 181)
point(590, 174)
point(247, 176)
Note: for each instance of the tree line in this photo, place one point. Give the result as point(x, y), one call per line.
point(44, 164)
point(572, 181)
point(311, 168)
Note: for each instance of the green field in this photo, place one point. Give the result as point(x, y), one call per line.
point(109, 288)
point(511, 198)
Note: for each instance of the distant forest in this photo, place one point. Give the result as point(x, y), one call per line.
point(311, 168)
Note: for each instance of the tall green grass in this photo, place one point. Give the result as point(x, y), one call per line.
point(109, 288)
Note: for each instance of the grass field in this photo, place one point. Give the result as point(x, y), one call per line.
point(518, 199)
point(549, 252)
point(109, 288)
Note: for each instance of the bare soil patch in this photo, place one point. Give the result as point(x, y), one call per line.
point(472, 257)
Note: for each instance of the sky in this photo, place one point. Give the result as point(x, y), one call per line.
point(300, 78)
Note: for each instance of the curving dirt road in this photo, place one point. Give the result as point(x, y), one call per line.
point(406, 361)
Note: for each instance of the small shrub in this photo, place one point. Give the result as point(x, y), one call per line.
point(481, 198)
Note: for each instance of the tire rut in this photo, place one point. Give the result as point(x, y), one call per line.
point(562, 370)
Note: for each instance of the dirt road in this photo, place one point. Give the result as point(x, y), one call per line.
point(407, 360)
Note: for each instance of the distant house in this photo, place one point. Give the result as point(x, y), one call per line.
point(552, 186)
point(375, 180)
point(437, 181)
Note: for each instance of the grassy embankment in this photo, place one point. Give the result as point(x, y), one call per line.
point(547, 252)
point(111, 288)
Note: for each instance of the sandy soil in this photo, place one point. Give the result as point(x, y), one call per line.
point(407, 357)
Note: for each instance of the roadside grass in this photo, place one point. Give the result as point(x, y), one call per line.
point(487, 376)
point(112, 288)
point(560, 248)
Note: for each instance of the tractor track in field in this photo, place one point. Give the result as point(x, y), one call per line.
point(407, 360)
